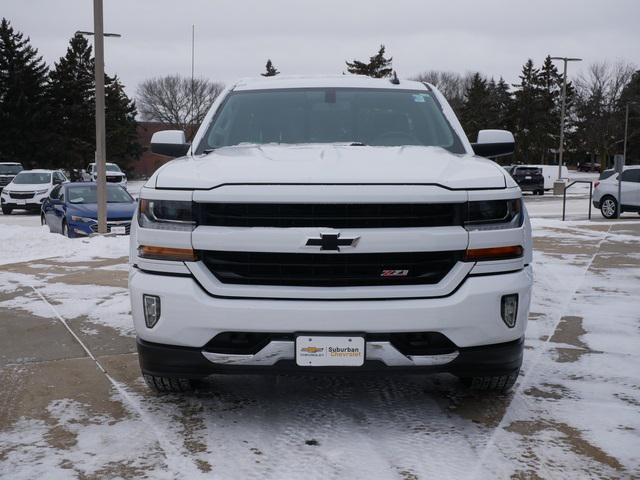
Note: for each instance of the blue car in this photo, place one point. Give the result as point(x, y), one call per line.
point(71, 209)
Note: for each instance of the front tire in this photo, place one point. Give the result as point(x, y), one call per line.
point(168, 384)
point(7, 210)
point(609, 207)
point(496, 384)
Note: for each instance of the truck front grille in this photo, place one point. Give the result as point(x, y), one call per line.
point(334, 215)
point(330, 270)
point(114, 179)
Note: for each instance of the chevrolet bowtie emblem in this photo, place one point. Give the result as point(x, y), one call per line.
point(312, 349)
point(331, 241)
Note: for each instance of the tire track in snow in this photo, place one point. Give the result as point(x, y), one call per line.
point(519, 402)
point(177, 464)
point(306, 408)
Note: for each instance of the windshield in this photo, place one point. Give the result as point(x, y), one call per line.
point(378, 117)
point(111, 167)
point(27, 178)
point(88, 194)
point(10, 169)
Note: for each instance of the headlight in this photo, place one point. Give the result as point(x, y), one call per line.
point(75, 218)
point(494, 214)
point(40, 192)
point(166, 215)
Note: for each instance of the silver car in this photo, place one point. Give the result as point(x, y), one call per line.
point(605, 194)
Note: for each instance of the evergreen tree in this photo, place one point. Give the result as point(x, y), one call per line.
point(631, 95)
point(476, 105)
point(23, 102)
point(72, 95)
point(549, 106)
point(500, 105)
point(526, 113)
point(121, 126)
point(271, 71)
point(378, 66)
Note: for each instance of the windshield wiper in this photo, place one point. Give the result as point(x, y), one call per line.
point(357, 144)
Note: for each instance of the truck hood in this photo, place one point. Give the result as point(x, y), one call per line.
point(329, 164)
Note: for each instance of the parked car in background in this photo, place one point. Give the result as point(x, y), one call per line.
point(605, 193)
point(8, 170)
point(114, 174)
point(589, 167)
point(71, 209)
point(529, 179)
point(29, 189)
point(550, 174)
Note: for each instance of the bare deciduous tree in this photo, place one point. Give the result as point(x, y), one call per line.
point(599, 116)
point(452, 85)
point(177, 101)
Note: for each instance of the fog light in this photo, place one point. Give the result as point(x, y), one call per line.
point(151, 309)
point(508, 309)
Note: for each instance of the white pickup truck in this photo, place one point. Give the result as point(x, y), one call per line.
point(113, 174)
point(335, 224)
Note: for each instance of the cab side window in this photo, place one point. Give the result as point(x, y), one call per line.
point(632, 175)
point(58, 177)
point(55, 193)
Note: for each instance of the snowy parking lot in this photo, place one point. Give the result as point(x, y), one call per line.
point(73, 405)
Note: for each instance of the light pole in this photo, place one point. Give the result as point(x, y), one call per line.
point(558, 185)
point(101, 148)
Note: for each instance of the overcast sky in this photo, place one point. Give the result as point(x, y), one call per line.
point(234, 38)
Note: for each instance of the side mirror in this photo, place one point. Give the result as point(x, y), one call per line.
point(57, 181)
point(494, 143)
point(171, 143)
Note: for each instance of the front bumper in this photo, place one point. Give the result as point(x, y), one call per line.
point(189, 362)
point(34, 203)
point(469, 316)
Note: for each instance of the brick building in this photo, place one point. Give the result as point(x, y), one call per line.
point(148, 162)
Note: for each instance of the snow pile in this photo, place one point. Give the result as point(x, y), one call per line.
point(22, 244)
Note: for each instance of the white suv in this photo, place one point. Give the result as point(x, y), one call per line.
point(29, 189)
point(605, 192)
point(330, 224)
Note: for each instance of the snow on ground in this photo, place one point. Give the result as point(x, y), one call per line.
point(574, 413)
point(21, 244)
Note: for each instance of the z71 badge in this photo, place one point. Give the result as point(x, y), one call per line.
point(394, 273)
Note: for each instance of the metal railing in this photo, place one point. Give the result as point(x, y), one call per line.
point(564, 195)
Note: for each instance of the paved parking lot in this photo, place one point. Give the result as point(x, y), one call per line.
point(73, 405)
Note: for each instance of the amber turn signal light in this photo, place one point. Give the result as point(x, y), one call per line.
point(493, 253)
point(167, 253)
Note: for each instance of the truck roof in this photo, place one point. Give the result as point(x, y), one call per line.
point(324, 81)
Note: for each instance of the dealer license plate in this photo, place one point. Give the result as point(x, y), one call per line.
point(21, 202)
point(328, 351)
point(527, 177)
point(119, 230)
